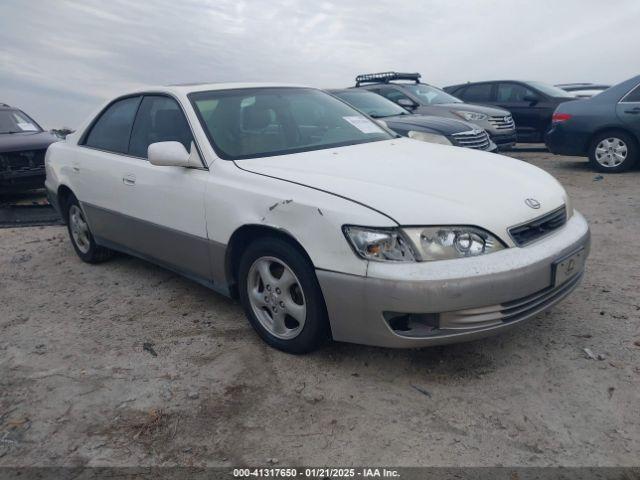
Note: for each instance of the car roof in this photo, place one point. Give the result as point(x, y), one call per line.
point(186, 88)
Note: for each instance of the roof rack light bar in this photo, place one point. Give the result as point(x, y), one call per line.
point(386, 77)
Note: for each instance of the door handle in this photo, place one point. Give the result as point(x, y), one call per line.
point(129, 179)
point(634, 111)
point(75, 167)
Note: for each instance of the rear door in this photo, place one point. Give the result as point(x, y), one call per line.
point(530, 109)
point(102, 155)
point(628, 110)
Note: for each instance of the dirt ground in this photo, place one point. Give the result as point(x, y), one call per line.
point(79, 387)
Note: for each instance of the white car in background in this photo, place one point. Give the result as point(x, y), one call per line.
point(318, 219)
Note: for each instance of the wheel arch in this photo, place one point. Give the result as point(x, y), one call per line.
point(241, 238)
point(63, 195)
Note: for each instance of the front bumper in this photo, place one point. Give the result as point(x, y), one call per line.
point(504, 140)
point(468, 298)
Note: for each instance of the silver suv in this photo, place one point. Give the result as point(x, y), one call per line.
point(406, 90)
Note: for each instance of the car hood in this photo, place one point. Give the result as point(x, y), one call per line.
point(13, 142)
point(417, 183)
point(443, 125)
point(470, 107)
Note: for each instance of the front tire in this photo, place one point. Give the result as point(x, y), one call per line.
point(281, 296)
point(613, 152)
point(80, 235)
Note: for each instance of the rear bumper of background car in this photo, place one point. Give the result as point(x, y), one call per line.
point(434, 303)
point(562, 142)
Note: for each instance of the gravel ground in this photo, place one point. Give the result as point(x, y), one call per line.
point(79, 387)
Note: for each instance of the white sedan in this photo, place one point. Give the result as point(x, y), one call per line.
point(320, 221)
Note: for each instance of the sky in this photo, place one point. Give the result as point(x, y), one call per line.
point(60, 60)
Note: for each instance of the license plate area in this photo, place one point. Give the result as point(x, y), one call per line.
point(568, 266)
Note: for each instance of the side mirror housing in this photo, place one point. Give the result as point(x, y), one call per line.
point(407, 103)
point(532, 99)
point(173, 154)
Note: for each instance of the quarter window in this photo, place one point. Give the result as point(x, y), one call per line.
point(159, 119)
point(478, 93)
point(112, 130)
point(633, 96)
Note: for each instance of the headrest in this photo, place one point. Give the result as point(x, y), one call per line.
point(256, 117)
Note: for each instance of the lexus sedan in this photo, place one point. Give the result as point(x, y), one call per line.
point(425, 128)
point(320, 221)
point(22, 147)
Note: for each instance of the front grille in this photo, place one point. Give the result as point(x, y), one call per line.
point(501, 122)
point(539, 227)
point(15, 164)
point(478, 139)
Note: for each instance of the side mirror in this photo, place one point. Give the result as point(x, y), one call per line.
point(532, 99)
point(407, 103)
point(173, 154)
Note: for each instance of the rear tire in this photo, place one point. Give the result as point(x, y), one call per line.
point(80, 235)
point(281, 296)
point(613, 152)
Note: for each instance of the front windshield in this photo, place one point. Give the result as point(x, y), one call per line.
point(550, 90)
point(261, 122)
point(372, 104)
point(429, 95)
point(14, 121)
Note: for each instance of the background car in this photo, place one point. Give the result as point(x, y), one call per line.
point(406, 90)
point(606, 128)
point(23, 144)
point(420, 127)
point(583, 90)
point(530, 103)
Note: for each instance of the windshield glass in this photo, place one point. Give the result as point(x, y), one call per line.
point(372, 104)
point(431, 95)
point(14, 121)
point(550, 90)
point(261, 122)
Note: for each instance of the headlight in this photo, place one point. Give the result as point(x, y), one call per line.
point(380, 244)
point(429, 137)
point(445, 243)
point(470, 116)
point(420, 244)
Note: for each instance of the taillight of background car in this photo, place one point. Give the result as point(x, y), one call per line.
point(560, 117)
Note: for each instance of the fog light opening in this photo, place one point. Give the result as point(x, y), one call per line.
point(413, 324)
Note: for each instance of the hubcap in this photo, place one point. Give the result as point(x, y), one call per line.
point(276, 297)
point(79, 229)
point(611, 152)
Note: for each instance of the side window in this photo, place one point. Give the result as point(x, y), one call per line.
point(159, 119)
point(477, 93)
point(393, 94)
point(112, 130)
point(633, 96)
point(513, 92)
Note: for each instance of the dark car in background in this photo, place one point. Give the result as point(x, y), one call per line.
point(406, 90)
point(426, 128)
point(530, 103)
point(606, 128)
point(583, 90)
point(23, 144)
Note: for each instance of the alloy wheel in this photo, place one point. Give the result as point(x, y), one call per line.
point(79, 229)
point(276, 297)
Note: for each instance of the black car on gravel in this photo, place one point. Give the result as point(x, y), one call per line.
point(427, 128)
point(23, 144)
point(530, 103)
point(606, 128)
